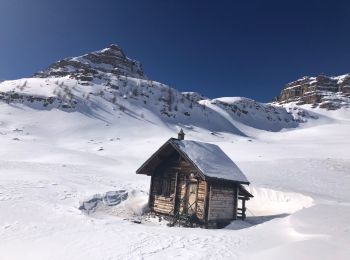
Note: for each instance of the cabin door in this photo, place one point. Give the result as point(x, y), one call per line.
point(192, 197)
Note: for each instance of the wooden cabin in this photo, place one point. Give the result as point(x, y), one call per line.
point(195, 183)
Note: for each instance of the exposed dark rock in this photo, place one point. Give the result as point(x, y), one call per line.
point(323, 91)
point(46, 102)
point(95, 64)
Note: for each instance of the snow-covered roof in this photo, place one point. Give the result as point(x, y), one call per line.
point(210, 160)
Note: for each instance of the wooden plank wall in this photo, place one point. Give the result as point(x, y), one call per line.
point(160, 203)
point(165, 205)
point(184, 173)
point(201, 198)
point(221, 203)
point(181, 192)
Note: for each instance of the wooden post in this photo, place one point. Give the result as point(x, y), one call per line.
point(196, 197)
point(235, 202)
point(150, 194)
point(175, 192)
point(206, 203)
point(243, 209)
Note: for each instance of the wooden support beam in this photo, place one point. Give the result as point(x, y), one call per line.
point(197, 188)
point(150, 204)
point(175, 193)
point(243, 210)
point(207, 201)
point(235, 202)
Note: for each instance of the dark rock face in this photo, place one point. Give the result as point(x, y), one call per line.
point(323, 91)
point(37, 101)
point(194, 96)
point(95, 64)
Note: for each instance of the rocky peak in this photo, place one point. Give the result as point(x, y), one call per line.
point(115, 47)
point(95, 64)
point(323, 91)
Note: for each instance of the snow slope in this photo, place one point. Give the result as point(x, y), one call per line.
point(57, 156)
point(51, 161)
point(108, 80)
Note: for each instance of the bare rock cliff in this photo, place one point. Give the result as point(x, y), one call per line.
point(95, 65)
point(321, 91)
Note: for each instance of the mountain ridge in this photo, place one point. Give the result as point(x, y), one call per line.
point(108, 81)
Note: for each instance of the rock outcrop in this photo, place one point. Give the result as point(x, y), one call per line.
point(321, 91)
point(95, 65)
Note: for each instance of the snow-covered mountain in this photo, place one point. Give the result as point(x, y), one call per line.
point(108, 80)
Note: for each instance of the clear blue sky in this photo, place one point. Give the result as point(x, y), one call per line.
point(219, 48)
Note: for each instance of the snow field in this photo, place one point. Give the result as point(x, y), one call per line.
point(51, 160)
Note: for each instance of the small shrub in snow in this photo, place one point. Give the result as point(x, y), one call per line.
point(135, 92)
point(114, 99)
point(122, 108)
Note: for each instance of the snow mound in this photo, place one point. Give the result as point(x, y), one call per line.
point(269, 204)
point(272, 202)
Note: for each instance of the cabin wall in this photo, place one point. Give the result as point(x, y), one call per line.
point(185, 169)
point(221, 202)
point(201, 198)
point(178, 173)
point(160, 203)
point(181, 192)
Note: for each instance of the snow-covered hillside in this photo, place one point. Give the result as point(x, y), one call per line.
point(70, 144)
point(107, 80)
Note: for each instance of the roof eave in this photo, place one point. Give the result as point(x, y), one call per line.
point(223, 179)
point(138, 171)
